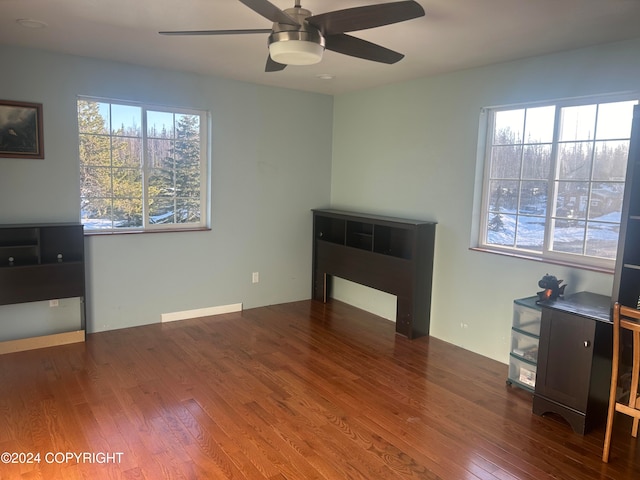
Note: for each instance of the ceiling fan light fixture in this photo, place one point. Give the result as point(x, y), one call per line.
point(296, 52)
point(296, 47)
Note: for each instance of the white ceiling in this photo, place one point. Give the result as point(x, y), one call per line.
point(454, 35)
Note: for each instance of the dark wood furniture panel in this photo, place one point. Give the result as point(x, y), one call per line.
point(385, 253)
point(626, 281)
point(574, 360)
point(42, 262)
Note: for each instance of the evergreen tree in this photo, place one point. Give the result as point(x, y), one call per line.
point(95, 161)
point(175, 179)
point(110, 163)
point(187, 154)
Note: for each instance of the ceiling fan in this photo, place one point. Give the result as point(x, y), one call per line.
point(299, 38)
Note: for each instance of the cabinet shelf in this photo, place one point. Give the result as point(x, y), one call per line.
point(386, 253)
point(9, 246)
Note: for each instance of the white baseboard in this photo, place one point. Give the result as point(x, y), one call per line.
point(200, 312)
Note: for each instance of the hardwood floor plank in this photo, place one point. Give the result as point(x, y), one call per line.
point(303, 390)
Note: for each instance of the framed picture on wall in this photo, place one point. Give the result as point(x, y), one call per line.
point(21, 130)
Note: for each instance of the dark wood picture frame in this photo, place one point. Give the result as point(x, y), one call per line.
point(21, 130)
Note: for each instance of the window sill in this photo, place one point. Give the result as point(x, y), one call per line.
point(550, 261)
point(97, 233)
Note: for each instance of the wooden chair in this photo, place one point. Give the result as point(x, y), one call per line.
point(624, 318)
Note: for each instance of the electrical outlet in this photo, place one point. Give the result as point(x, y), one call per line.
point(255, 277)
point(53, 303)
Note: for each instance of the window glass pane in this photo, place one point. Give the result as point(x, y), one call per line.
point(126, 120)
point(610, 160)
point(533, 198)
point(162, 180)
point(530, 234)
point(158, 151)
point(187, 151)
point(614, 120)
point(97, 214)
point(187, 210)
point(188, 127)
point(188, 181)
point(602, 240)
point(160, 124)
point(95, 182)
point(572, 200)
point(127, 213)
point(568, 236)
point(505, 161)
point(501, 229)
point(539, 124)
point(175, 210)
point(126, 152)
point(94, 150)
point(508, 127)
point(574, 160)
point(127, 183)
point(606, 201)
point(161, 210)
point(93, 117)
point(536, 162)
point(503, 196)
point(578, 123)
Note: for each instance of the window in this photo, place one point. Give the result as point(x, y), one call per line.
point(554, 180)
point(142, 167)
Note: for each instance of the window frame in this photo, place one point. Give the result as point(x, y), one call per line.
point(145, 168)
point(482, 198)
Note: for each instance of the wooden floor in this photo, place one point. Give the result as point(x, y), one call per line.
point(296, 391)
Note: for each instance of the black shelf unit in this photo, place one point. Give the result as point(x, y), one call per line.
point(626, 281)
point(385, 253)
point(42, 262)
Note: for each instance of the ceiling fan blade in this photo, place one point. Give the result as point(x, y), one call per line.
point(273, 66)
point(361, 18)
point(269, 11)
point(216, 32)
point(356, 47)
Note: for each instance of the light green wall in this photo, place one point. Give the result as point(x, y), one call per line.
point(410, 150)
point(406, 150)
point(271, 161)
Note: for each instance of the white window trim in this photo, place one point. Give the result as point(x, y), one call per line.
point(205, 169)
point(482, 194)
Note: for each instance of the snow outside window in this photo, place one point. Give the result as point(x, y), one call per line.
point(554, 180)
point(141, 167)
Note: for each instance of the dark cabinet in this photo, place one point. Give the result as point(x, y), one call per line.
point(385, 253)
point(574, 360)
point(626, 281)
point(42, 262)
